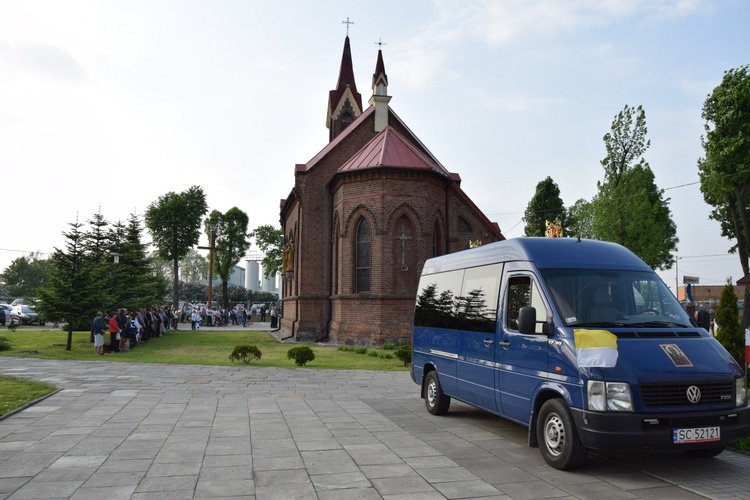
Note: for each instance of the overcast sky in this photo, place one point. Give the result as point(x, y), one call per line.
point(107, 105)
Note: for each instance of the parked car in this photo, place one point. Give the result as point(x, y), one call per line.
point(24, 315)
point(5, 316)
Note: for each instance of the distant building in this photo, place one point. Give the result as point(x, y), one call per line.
point(363, 216)
point(707, 295)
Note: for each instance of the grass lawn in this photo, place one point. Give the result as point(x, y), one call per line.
point(190, 347)
point(14, 393)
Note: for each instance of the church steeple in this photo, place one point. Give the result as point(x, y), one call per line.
point(380, 97)
point(344, 103)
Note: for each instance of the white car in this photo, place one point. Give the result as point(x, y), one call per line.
point(24, 315)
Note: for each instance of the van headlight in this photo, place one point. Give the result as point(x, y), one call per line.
point(609, 396)
point(740, 393)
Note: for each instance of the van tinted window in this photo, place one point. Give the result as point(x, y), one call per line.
point(436, 307)
point(461, 299)
point(477, 305)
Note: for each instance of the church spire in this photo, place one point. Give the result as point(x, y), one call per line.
point(344, 102)
point(380, 97)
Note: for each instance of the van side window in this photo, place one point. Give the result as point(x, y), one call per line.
point(523, 291)
point(436, 300)
point(477, 305)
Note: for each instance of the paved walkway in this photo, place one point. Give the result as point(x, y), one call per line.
point(118, 430)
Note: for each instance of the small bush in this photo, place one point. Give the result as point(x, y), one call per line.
point(345, 348)
point(372, 354)
point(385, 355)
point(4, 344)
point(245, 353)
point(388, 346)
point(361, 350)
point(404, 354)
point(301, 355)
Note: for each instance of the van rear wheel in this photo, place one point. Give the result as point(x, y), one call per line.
point(435, 399)
point(558, 438)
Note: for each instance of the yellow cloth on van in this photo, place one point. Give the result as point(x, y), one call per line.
point(596, 348)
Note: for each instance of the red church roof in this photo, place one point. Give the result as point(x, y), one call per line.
point(391, 149)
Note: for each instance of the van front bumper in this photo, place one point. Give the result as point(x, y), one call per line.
point(654, 431)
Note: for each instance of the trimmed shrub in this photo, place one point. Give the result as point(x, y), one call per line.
point(301, 355)
point(388, 346)
point(372, 354)
point(404, 354)
point(4, 344)
point(245, 353)
point(361, 350)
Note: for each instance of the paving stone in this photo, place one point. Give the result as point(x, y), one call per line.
point(167, 431)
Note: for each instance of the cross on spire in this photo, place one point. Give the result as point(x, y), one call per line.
point(347, 22)
point(380, 43)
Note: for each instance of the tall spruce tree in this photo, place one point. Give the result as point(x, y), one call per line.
point(75, 290)
point(545, 205)
point(730, 334)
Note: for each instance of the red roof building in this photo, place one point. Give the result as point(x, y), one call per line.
point(363, 216)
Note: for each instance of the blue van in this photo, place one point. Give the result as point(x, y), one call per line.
point(578, 340)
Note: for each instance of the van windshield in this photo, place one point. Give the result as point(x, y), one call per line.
point(590, 297)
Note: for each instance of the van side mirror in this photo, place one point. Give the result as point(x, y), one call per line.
point(527, 320)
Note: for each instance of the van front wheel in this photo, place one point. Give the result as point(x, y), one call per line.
point(435, 399)
point(557, 436)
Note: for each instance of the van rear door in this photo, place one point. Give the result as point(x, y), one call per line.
point(476, 310)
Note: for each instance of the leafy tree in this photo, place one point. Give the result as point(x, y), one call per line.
point(194, 266)
point(73, 291)
point(730, 333)
point(193, 291)
point(271, 242)
point(26, 275)
point(725, 169)
point(238, 295)
point(546, 205)
point(174, 221)
point(581, 219)
point(231, 236)
point(629, 209)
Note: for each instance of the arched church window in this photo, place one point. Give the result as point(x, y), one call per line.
point(346, 120)
point(437, 243)
point(362, 258)
point(463, 225)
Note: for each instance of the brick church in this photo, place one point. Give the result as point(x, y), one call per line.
point(363, 216)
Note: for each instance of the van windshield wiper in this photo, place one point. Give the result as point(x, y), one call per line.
point(617, 324)
point(658, 324)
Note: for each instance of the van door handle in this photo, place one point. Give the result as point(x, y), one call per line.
point(488, 342)
point(504, 344)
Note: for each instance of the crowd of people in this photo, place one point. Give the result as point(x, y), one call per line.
point(128, 329)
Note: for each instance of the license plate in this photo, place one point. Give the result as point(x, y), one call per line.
point(696, 435)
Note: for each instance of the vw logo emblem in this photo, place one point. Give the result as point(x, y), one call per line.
point(693, 394)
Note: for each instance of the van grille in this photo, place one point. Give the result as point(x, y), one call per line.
point(676, 394)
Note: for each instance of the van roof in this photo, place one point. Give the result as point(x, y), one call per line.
point(546, 253)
